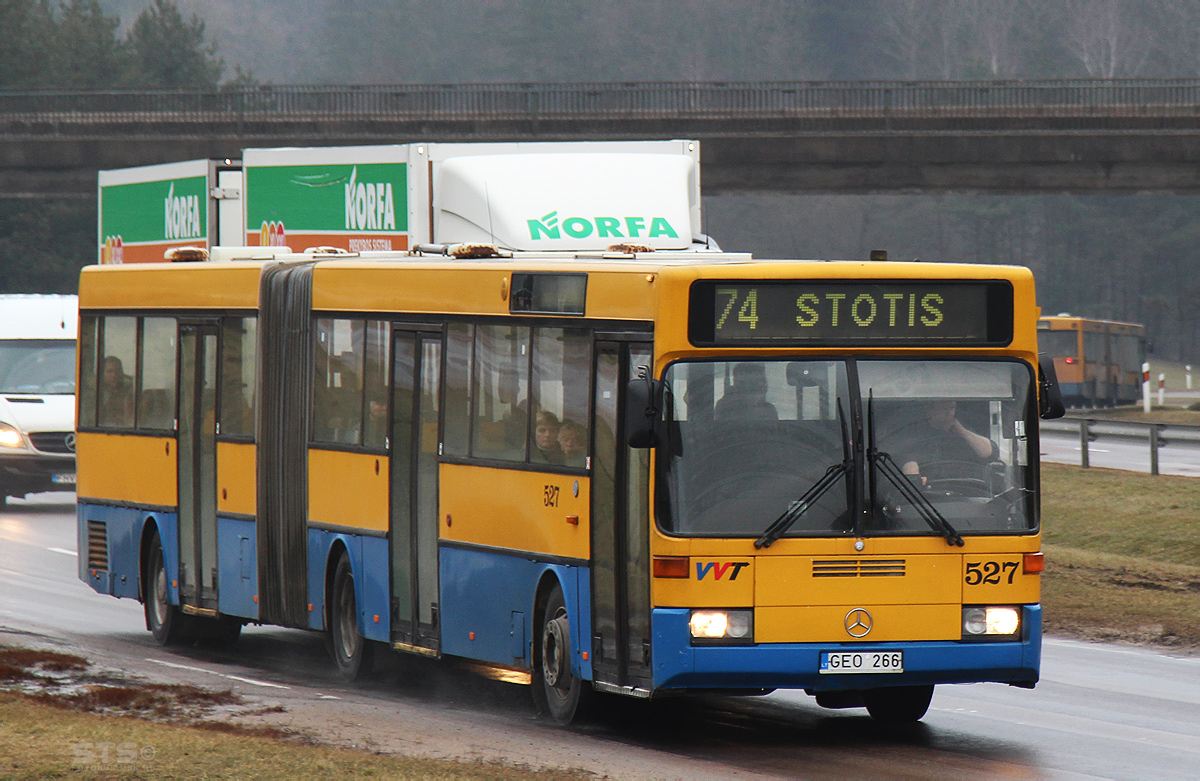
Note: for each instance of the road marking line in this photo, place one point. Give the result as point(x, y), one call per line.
point(250, 681)
point(63, 550)
point(254, 682)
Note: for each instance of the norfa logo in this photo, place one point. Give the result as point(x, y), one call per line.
point(603, 227)
point(369, 205)
point(181, 215)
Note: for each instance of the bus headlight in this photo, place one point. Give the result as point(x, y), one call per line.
point(722, 626)
point(991, 621)
point(9, 436)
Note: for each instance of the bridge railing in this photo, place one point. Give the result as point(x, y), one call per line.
point(660, 100)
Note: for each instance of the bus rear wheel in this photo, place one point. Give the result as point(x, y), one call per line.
point(352, 653)
point(164, 620)
point(898, 704)
point(556, 690)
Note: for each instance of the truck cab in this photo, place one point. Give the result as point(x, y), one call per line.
point(37, 394)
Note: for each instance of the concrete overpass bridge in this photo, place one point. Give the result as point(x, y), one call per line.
point(1083, 136)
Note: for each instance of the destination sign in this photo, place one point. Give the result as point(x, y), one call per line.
point(853, 312)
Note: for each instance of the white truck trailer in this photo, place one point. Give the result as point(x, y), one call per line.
point(149, 210)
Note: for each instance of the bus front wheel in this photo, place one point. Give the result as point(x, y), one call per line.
point(164, 620)
point(903, 704)
point(351, 652)
point(556, 690)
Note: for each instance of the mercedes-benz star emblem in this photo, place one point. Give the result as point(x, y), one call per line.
point(858, 622)
point(70, 442)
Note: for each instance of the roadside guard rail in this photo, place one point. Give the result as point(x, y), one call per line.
point(1156, 435)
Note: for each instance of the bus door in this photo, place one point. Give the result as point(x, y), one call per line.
point(196, 448)
point(416, 386)
point(620, 529)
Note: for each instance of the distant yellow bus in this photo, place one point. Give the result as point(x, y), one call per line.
point(643, 473)
point(1098, 362)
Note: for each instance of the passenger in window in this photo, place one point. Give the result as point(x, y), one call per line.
point(116, 394)
point(572, 439)
point(746, 399)
point(545, 439)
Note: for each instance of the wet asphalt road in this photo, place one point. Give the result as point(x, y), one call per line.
point(1100, 711)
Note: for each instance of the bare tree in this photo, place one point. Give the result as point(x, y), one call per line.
point(1108, 38)
point(997, 25)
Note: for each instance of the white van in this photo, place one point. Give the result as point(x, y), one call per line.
point(37, 393)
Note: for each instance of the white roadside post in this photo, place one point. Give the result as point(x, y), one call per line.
point(1161, 384)
point(1146, 388)
point(1189, 376)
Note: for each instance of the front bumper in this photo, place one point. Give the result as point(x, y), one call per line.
point(679, 665)
point(27, 474)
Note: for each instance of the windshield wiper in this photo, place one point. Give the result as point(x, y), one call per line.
point(895, 475)
point(818, 489)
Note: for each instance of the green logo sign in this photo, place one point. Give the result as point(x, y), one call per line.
point(307, 198)
point(166, 210)
point(550, 227)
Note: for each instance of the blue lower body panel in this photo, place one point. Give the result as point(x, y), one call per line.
point(488, 600)
point(679, 665)
point(237, 578)
point(123, 531)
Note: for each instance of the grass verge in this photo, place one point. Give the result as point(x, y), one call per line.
point(44, 741)
point(1122, 555)
point(58, 717)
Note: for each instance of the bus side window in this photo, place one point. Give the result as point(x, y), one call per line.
point(118, 368)
point(562, 360)
point(501, 392)
point(375, 384)
point(88, 342)
point(460, 338)
point(156, 391)
point(239, 342)
point(337, 386)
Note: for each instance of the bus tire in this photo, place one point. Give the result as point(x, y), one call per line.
point(555, 689)
point(898, 704)
point(352, 653)
point(164, 620)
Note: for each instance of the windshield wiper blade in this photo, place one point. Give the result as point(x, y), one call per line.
point(925, 508)
point(884, 464)
point(797, 508)
point(801, 505)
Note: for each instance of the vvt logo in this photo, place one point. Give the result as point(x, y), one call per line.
point(550, 227)
point(719, 568)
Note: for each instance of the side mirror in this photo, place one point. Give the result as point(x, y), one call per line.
point(643, 404)
point(1050, 401)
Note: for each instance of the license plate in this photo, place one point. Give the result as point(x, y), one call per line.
point(835, 662)
point(66, 478)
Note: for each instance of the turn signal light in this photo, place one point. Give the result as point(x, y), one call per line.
point(671, 566)
point(1034, 563)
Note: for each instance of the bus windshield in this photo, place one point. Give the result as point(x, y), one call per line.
point(1060, 344)
point(43, 366)
point(747, 439)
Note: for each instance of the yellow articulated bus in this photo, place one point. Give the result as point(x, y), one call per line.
point(1098, 362)
point(633, 472)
